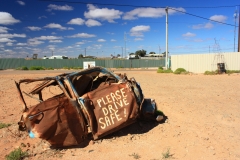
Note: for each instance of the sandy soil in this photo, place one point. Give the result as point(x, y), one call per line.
point(203, 121)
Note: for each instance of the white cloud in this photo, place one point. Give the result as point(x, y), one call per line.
point(76, 21)
point(34, 42)
point(101, 40)
point(7, 19)
point(48, 38)
point(70, 28)
point(79, 43)
point(53, 33)
point(21, 3)
point(219, 18)
point(148, 13)
point(55, 41)
point(138, 39)
point(59, 8)
point(6, 40)
point(203, 26)
point(42, 17)
point(82, 35)
point(198, 40)
point(57, 26)
point(33, 28)
point(98, 46)
point(189, 34)
point(113, 40)
point(9, 44)
point(91, 23)
point(12, 35)
point(137, 31)
point(4, 29)
point(39, 40)
point(21, 44)
point(103, 14)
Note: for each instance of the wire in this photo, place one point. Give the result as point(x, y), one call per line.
point(127, 5)
point(201, 17)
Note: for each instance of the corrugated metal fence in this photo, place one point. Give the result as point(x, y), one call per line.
point(199, 63)
point(13, 63)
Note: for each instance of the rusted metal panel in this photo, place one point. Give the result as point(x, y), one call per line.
point(103, 103)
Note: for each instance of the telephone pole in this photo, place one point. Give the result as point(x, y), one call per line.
point(238, 29)
point(235, 17)
point(166, 58)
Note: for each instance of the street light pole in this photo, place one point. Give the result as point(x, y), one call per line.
point(166, 58)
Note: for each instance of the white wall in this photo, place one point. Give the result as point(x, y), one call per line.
point(199, 63)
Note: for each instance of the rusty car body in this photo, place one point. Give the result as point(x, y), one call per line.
point(94, 100)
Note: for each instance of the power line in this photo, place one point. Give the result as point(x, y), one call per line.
point(202, 17)
point(127, 5)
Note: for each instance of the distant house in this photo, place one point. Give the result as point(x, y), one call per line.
point(154, 55)
point(56, 57)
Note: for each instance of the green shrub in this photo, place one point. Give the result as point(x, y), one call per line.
point(36, 68)
point(164, 71)
point(160, 67)
point(49, 68)
point(166, 155)
point(180, 71)
point(4, 125)
point(210, 72)
point(77, 68)
point(22, 68)
point(232, 71)
point(16, 154)
point(66, 68)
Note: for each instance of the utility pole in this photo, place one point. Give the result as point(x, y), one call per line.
point(235, 17)
point(52, 53)
point(166, 58)
point(85, 52)
point(238, 29)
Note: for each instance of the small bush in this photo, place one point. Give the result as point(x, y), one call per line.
point(66, 68)
point(49, 68)
point(210, 73)
point(77, 68)
point(22, 68)
point(4, 125)
point(167, 154)
point(135, 156)
point(16, 154)
point(36, 68)
point(164, 71)
point(160, 67)
point(180, 71)
point(232, 71)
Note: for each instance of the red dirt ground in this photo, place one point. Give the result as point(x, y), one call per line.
point(203, 120)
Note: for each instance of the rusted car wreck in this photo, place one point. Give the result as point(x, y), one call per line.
point(94, 100)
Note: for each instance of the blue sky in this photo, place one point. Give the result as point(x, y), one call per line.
point(65, 28)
